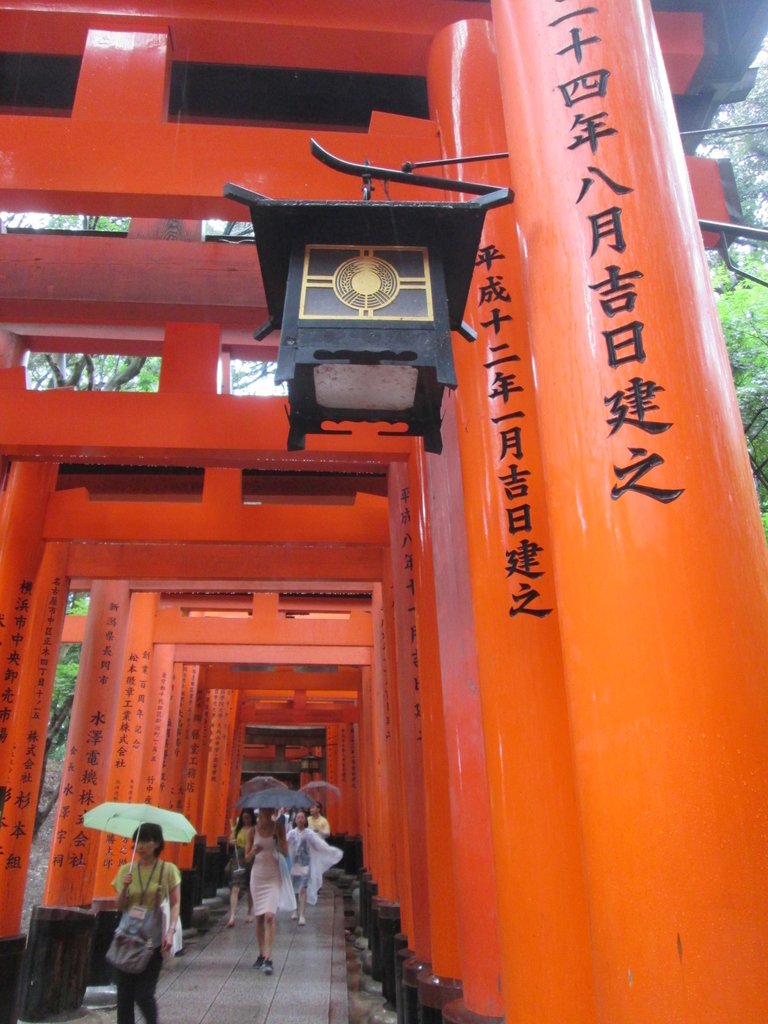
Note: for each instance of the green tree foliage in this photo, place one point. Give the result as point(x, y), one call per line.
point(743, 308)
point(747, 150)
point(743, 303)
point(84, 372)
point(61, 709)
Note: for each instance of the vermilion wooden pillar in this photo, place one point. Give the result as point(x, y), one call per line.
point(156, 719)
point(466, 781)
point(332, 771)
point(85, 771)
point(172, 744)
point(405, 650)
point(443, 983)
point(171, 748)
point(348, 777)
point(22, 514)
point(657, 545)
point(368, 764)
point(385, 844)
point(185, 781)
point(515, 639)
point(236, 760)
point(215, 806)
point(36, 677)
point(196, 757)
point(131, 731)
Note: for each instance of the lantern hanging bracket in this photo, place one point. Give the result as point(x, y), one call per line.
point(494, 195)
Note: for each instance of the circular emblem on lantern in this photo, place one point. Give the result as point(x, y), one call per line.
point(366, 282)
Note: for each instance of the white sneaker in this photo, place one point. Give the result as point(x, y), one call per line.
point(294, 915)
point(302, 921)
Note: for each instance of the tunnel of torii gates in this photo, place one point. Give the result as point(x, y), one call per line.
point(540, 656)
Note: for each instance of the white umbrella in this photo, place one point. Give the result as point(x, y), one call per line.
point(259, 783)
point(319, 789)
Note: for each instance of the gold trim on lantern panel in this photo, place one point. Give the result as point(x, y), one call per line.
point(380, 283)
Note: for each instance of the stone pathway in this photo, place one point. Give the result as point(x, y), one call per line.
point(319, 974)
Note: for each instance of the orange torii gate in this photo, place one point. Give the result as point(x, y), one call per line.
point(552, 653)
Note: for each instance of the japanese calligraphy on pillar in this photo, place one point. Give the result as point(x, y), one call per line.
point(36, 736)
point(508, 380)
point(219, 734)
point(191, 781)
point(353, 741)
point(153, 780)
point(343, 741)
point(171, 743)
point(86, 767)
point(635, 406)
point(131, 726)
point(408, 575)
point(183, 736)
point(385, 680)
point(11, 642)
point(20, 799)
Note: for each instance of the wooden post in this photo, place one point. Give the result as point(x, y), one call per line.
point(85, 771)
point(185, 781)
point(657, 545)
point(156, 723)
point(215, 806)
point(36, 677)
point(405, 663)
point(541, 900)
point(131, 732)
point(21, 549)
point(440, 859)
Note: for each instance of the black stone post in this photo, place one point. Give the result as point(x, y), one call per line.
point(457, 1013)
point(434, 994)
point(401, 956)
point(56, 963)
point(374, 940)
point(190, 895)
point(370, 893)
point(223, 844)
point(365, 881)
point(11, 964)
point(389, 926)
point(412, 970)
point(211, 868)
point(107, 918)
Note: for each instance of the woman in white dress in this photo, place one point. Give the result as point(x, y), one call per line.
point(311, 857)
point(265, 840)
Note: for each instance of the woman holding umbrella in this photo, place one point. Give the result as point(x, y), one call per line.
point(141, 886)
point(266, 840)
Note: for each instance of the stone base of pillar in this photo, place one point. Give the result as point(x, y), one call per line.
point(107, 918)
point(56, 962)
point(401, 956)
point(389, 928)
point(434, 994)
point(457, 1013)
point(11, 960)
point(374, 937)
point(412, 971)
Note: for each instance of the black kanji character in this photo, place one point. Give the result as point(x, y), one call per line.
point(635, 472)
point(631, 405)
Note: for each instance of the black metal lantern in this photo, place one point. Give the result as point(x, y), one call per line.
point(366, 295)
